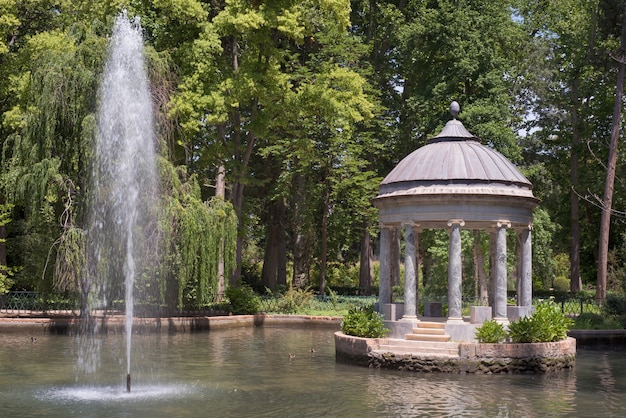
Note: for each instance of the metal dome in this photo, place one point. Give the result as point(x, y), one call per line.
point(452, 162)
point(454, 176)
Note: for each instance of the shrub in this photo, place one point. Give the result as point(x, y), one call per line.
point(491, 332)
point(363, 321)
point(243, 300)
point(547, 324)
point(523, 330)
point(561, 284)
point(294, 299)
point(615, 305)
point(590, 320)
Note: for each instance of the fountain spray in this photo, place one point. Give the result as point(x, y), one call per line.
point(124, 175)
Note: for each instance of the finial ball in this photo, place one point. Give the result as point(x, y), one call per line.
point(455, 109)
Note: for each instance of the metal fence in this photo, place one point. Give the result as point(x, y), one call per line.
point(16, 302)
point(20, 301)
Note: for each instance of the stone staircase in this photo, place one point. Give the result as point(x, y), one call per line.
point(428, 340)
point(429, 331)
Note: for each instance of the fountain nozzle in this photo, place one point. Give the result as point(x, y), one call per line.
point(128, 383)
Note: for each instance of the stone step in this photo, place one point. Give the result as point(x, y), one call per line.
point(427, 337)
point(437, 325)
point(431, 331)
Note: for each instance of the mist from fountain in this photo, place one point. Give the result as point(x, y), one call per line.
point(122, 192)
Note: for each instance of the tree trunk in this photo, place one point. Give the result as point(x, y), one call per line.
point(366, 272)
point(220, 192)
point(274, 262)
point(270, 259)
point(300, 271)
point(479, 263)
point(492, 269)
point(324, 241)
point(3, 245)
point(607, 198)
point(574, 255)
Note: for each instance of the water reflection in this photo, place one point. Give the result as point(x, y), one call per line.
point(249, 372)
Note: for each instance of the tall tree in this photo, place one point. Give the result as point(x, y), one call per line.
point(609, 184)
point(242, 88)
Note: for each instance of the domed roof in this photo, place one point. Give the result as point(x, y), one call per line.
point(455, 162)
point(456, 158)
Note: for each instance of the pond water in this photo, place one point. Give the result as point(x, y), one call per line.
point(248, 372)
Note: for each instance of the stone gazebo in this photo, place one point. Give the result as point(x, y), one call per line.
point(451, 183)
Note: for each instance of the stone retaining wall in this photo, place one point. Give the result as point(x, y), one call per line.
point(116, 323)
point(517, 358)
point(473, 357)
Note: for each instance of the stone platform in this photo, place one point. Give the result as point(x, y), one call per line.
point(455, 357)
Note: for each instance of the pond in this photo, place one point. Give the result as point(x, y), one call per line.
point(279, 372)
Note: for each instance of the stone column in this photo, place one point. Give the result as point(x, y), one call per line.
point(455, 271)
point(384, 280)
point(394, 258)
point(526, 274)
point(410, 273)
point(499, 309)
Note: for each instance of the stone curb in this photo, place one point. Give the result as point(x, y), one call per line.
point(116, 323)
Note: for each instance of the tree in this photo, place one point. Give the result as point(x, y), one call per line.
point(607, 197)
point(243, 87)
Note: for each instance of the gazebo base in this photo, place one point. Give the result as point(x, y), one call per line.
point(473, 358)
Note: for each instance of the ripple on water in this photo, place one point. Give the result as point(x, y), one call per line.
point(112, 394)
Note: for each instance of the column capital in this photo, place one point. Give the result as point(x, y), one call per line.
point(459, 222)
point(411, 223)
point(503, 224)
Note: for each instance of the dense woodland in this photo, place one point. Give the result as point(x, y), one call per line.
point(277, 120)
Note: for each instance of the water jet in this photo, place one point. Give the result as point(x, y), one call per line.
point(122, 191)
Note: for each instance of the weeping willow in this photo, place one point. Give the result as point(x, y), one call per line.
point(201, 235)
point(44, 149)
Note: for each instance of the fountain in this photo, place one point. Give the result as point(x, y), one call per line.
point(122, 191)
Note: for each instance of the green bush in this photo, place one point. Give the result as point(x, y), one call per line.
point(590, 320)
point(523, 330)
point(615, 305)
point(491, 332)
point(547, 324)
point(561, 284)
point(243, 300)
point(294, 300)
point(363, 321)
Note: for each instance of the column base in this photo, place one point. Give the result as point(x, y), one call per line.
point(503, 321)
point(411, 318)
point(455, 320)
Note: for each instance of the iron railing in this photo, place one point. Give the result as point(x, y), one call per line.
point(23, 301)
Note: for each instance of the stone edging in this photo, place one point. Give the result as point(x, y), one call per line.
point(473, 357)
point(613, 339)
point(116, 323)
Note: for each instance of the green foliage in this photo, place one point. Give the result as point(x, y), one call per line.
point(491, 332)
point(547, 324)
point(70, 260)
point(243, 300)
point(543, 257)
point(561, 284)
point(594, 321)
point(295, 300)
point(615, 305)
point(199, 235)
point(524, 330)
point(364, 322)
